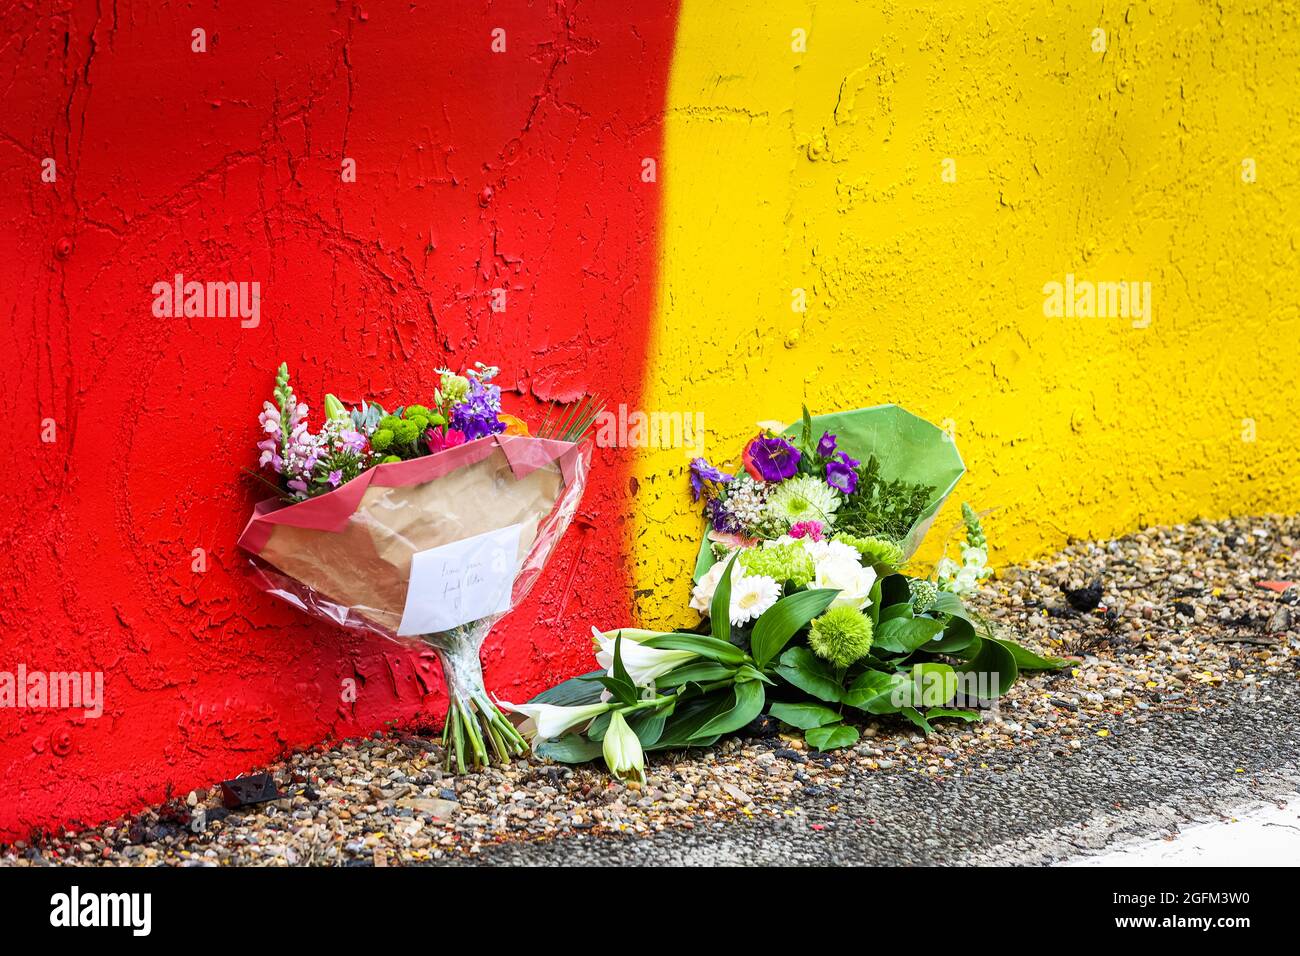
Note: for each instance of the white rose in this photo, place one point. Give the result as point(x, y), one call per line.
point(852, 580)
point(702, 594)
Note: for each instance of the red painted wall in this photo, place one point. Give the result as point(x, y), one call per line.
point(475, 170)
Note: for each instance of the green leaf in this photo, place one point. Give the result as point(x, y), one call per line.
point(878, 692)
point(873, 609)
point(784, 619)
point(596, 729)
point(699, 672)
point(894, 589)
point(831, 737)
point(803, 716)
point(990, 658)
point(894, 611)
point(958, 634)
point(934, 684)
point(584, 689)
point(649, 725)
point(748, 704)
point(1029, 661)
point(939, 712)
point(619, 683)
point(702, 644)
point(750, 672)
point(912, 714)
point(720, 607)
point(903, 635)
point(945, 602)
point(571, 748)
point(690, 717)
point(812, 675)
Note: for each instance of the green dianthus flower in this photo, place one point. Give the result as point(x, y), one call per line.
point(381, 439)
point(881, 553)
point(416, 411)
point(781, 562)
point(389, 459)
point(389, 422)
point(842, 636)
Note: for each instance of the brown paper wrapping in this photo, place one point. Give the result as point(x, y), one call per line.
point(366, 566)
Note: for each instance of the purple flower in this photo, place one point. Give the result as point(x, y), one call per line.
point(335, 477)
point(722, 520)
point(826, 447)
point(701, 474)
point(771, 459)
point(476, 416)
point(842, 473)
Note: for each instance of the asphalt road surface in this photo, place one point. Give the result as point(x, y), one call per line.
point(1123, 794)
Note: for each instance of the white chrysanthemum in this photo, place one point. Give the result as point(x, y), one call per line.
point(751, 596)
point(804, 498)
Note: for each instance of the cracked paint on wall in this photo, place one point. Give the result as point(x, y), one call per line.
point(823, 170)
point(476, 170)
point(919, 171)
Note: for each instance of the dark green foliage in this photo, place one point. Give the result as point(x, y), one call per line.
point(882, 508)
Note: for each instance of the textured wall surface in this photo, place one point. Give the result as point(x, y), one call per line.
point(819, 169)
point(475, 170)
point(824, 170)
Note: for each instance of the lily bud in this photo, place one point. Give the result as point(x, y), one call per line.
point(622, 749)
point(334, 409)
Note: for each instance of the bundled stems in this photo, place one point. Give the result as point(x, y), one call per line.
point(475, 732)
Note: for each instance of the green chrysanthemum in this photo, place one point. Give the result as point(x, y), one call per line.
point(389, 459)
point(781, 562)
point(405, 431)
point(881, 553)
point(924, 594)
point(381, 439)
point(804, 498)
point(842, 636)
point(416, 411)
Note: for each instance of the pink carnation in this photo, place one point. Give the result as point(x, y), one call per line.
point(806, 529)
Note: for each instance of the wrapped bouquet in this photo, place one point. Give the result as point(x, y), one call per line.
point(427, 523)
point(811, 617)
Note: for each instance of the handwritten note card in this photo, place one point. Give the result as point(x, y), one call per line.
point(461, 582)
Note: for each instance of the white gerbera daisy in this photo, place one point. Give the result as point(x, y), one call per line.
point(751, 596)
point(804, 498)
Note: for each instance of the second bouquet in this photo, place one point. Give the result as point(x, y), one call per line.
point(427, 523)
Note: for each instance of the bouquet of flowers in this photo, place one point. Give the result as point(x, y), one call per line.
point(427, 523)
point(810, 614)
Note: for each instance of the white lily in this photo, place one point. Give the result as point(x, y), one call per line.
point(622, 750)
point(548, 721)
point(643, 664)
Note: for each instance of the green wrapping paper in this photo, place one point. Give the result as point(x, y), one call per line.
point(907, 447)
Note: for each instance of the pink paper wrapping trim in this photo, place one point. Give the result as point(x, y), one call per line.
point(331, 511)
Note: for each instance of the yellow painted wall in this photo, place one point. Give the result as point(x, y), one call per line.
point(822, 170)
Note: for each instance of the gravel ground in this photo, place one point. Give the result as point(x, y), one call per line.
point(1183, 699)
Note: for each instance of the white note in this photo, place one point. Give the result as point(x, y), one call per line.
point(461, 582)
